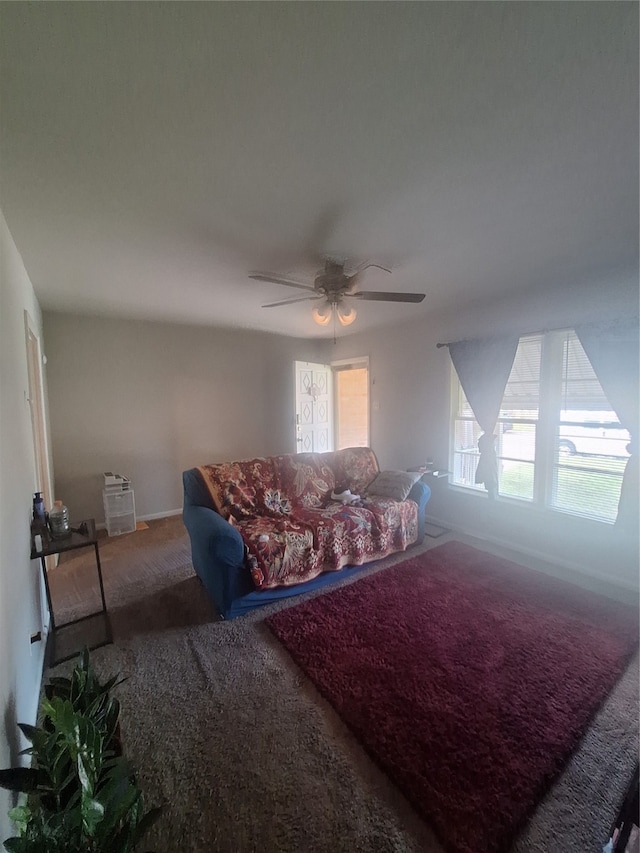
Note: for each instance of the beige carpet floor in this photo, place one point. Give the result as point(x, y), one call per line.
point(228, 734)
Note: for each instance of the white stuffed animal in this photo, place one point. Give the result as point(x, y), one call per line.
point(345, 497)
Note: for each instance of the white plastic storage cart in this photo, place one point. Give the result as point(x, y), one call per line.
point(119, 504)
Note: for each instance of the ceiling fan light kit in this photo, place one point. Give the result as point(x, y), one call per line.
point(335, 286)
point(346, 314)
point(322, 315)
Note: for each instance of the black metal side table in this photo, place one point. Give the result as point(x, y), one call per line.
point(94, 630)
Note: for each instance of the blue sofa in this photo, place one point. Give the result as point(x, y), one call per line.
point(219, 552)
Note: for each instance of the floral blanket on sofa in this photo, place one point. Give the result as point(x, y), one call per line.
point(292, 529)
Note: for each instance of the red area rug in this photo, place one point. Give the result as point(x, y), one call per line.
point(468, 679)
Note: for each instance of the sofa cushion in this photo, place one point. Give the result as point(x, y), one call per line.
point(345, 535)
point(353, 535)
point(393, 484)
point(280, 551)
point(287, 550)
point(306, 479)
point(397, 521)
point(238, 489)
point(354, 468)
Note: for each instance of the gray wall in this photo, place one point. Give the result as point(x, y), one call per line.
point(149, 400)
point(411, 383)
point(20, 603)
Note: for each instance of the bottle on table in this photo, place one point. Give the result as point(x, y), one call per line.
point(39, 514)
point(59, 520)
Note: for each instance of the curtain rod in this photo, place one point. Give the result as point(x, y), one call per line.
point(547, 331)
point(519, 334)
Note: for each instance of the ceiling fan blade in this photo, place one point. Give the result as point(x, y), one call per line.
point(276, 279)
point(366, 264)
point(383, 296)
point(291, 301)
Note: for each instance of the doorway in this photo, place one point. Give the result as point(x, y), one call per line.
point(332, 405)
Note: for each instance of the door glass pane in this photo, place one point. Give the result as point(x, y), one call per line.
point(352, 398)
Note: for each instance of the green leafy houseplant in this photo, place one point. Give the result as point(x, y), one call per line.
point(82, 796)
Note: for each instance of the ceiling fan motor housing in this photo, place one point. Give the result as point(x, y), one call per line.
point(332, 281)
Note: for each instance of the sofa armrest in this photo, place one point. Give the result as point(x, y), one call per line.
point(217, 551)
point(420, 493)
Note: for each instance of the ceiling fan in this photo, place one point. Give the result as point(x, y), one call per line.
point(334, 289)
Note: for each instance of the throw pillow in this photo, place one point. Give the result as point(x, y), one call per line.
point(393, 484)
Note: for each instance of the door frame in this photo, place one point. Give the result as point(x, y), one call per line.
point(39, 432)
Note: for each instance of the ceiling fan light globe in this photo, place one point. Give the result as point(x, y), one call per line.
point(346, 314)
point(322, 314)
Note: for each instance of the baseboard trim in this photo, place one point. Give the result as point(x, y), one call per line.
point(155, 515)
point(151, 517)
point(579, 571)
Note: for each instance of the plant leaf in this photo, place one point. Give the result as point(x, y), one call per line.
point(16, 845)
point(88, 749)
point(92, 814)
point(28, 731)
point(84, 659)
point(24, 779)
point(20, 815)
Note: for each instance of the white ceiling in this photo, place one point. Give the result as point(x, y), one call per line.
point(152, 154)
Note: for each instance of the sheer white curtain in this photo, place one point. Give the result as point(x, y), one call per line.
point(613, 350)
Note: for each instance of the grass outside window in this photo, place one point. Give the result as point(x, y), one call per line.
point(582, 486)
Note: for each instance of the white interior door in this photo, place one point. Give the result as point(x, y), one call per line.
point(314, 407)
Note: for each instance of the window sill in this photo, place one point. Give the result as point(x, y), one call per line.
point(530, 506)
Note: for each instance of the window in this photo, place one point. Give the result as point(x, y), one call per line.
point(559, 443)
